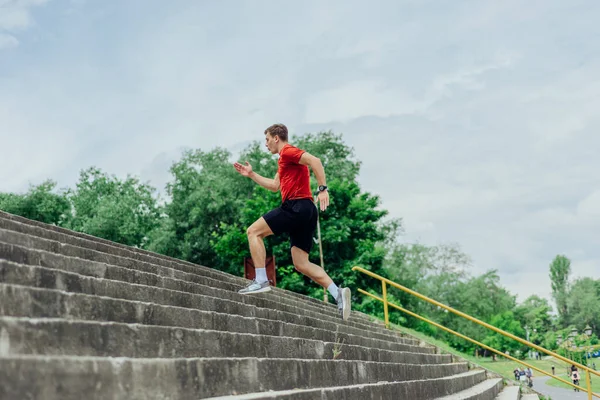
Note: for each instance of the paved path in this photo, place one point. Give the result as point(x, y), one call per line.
point(556, 393)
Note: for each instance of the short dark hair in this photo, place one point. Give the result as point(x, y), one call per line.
point(278, 130)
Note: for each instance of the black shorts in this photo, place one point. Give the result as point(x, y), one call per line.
point(296, 217)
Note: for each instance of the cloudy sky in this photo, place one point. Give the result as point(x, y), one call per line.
point(476, 121)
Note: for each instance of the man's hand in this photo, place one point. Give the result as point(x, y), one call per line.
point(245, 170)
point(323, 199)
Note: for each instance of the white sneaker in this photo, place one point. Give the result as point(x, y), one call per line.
point(255, 287)
point(343, 303)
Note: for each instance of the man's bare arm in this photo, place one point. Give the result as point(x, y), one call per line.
point(315, 164)
point(317, 167)
point(269, 184)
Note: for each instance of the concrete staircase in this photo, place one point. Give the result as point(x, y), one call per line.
point(514, 393)
point(82, 317)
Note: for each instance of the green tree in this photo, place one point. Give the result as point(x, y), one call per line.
point(431, 270)
point(40, 203)
point(208, 198)
point(584, 303)
point(534, 313)
point(560, 269)
point(481, 297)
point(507, 322)
point(123, 211)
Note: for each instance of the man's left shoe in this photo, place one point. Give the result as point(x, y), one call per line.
point(344, 303)
point(255, 287)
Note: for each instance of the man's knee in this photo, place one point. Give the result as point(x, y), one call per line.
point(258, 229)
point(300, 260)
point(252, 231)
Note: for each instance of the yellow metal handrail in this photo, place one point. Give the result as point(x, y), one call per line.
point(460, 335)
point(386, 304)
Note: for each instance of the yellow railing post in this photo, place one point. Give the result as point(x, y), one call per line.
point(385, 305)
point(588, 381)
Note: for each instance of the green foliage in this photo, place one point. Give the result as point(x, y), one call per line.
point(40, 203)
point(206, 196)
point(123, 211)
point(534, 313)
point(507, 322)
point(442, 273)
point(560, 269)
point(583, 303)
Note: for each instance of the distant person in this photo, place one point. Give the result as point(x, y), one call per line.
point(553, 371)
point(575, 378)
point(522, 375)
point(573, 368)
point(594, 366)
point(529, 375)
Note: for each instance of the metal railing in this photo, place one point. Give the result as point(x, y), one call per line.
point(386, 304)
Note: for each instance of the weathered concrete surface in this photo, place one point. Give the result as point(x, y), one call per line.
point(536, 397)
point(15, 247)
point(47, 278)
point(108, 339)
point(420, 389)
point(21, 301)
point(124, 378)
point(510, 393)
point(486, 390)
point(64, 236)
point(24, 255)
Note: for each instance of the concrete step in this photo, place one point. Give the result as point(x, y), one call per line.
point(60, 337)
point(486, 390)
point(190, 283)
point(413, 390)
point(509, 393)
point(145, 274)
point(23, 301)
point(66, 238)
point(25, 275)
point(64, 378)
point(530, 397)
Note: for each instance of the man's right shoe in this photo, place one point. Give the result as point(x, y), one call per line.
point(344, 303)
point(255, 287)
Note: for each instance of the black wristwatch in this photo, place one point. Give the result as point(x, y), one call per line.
point(322, 188)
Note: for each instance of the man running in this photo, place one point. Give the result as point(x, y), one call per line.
point(297, 214)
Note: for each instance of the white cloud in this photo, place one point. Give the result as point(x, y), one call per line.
point(8, 41)
point(357, 99)
point(15, 14)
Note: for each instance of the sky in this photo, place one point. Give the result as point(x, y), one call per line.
point(476, 121)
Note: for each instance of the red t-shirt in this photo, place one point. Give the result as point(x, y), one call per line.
point(294, 178)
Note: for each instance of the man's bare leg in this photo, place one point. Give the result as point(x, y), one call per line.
point(313, 271)
point(318, 274)
point(256, 233)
